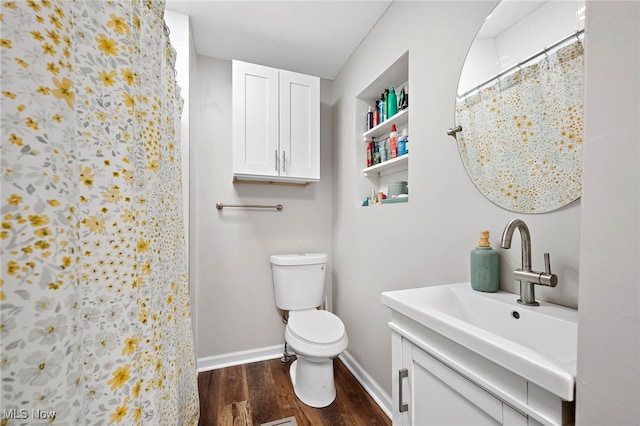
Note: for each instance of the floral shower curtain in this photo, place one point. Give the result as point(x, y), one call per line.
point(95, 322)
point(521, 139)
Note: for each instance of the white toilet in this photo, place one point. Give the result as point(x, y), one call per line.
point(316, 336)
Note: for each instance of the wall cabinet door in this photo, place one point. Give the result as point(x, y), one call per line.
point(438, 395)
point(255, 119)
point(276, 124)
point(299, 125)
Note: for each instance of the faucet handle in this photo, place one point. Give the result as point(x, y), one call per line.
point(548, 278)
point(547, 263)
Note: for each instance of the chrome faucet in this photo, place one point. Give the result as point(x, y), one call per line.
point(525, 275)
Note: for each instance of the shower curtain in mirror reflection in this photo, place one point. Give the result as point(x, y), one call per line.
point(521, 139)
point(95, 319)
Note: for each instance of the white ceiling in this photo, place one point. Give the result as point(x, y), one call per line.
point(505, 14)
point(311, 37)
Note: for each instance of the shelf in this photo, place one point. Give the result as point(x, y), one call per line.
point(400, 119)
point(391, 166)
point(381, 175)
point(395, 200)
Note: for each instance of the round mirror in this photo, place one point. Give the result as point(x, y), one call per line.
point(519, 105)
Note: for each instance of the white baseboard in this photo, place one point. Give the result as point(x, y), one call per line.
point(238, 358)
point(368, 383)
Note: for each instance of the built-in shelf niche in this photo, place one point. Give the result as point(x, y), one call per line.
point(397, 169)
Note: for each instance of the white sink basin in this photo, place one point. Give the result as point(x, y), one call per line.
point(537, 343)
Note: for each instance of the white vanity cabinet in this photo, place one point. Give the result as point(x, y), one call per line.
point(462, 356)
point(437, 382)
point(276, 124)
point(431, 393)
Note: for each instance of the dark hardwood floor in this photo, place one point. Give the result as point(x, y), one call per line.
point(261, 392)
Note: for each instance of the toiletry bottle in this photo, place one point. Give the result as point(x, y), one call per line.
point(393, 142)
point(369, 152)
point(404, 103)
point(485, 272)
point(386, 104)
point(369, 118)
point(376, 154)
point(382, 105)
point(384, 155)
point(392, 102)
point(385, 147)
point(401, 104)
point(402, 143)
point(376, 114)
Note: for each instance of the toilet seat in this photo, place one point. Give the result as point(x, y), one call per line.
point(315, 326)
point(316, 333)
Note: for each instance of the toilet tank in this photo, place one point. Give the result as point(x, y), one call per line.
point(298, 280)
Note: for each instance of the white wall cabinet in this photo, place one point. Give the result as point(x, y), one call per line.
point(276, 124)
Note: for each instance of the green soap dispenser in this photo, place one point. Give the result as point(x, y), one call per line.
point(485, 271)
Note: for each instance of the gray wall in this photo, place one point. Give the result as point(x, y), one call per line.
point(608, 388)
point(428, 240)
point(235, 308)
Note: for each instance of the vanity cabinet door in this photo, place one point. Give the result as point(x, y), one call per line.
point(438, 395)
point(402, 380)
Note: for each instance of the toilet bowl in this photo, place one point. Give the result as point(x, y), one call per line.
point(315, 336)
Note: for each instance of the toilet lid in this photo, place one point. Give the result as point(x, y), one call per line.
point(316, 326)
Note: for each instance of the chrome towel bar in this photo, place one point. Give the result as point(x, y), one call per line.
point(278, 207)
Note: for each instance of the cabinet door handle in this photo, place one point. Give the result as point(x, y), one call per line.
point(402, 406)
point(276, 160)
point(284, 159)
